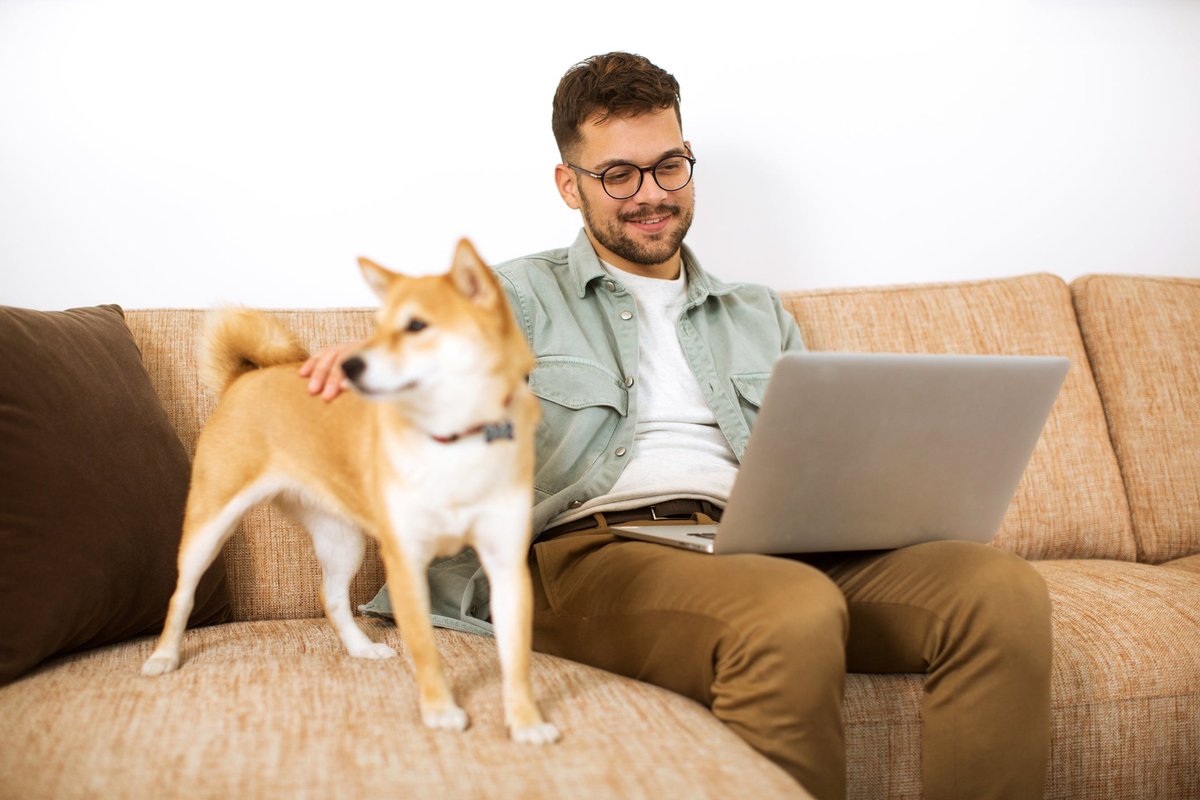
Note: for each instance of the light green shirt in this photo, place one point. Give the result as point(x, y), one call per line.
point(582, 326)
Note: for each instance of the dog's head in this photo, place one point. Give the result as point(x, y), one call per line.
point(442, 342)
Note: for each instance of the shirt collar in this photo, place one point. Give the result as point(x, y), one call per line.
point(585, 267)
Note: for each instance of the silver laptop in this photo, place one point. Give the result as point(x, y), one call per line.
point(865, 451)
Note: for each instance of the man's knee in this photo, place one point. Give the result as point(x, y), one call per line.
point(797, 615)
point(1002, 597)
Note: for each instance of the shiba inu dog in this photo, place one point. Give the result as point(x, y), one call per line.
point(433, 451)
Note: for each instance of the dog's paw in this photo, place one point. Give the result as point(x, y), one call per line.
point(160, 665)
point(374, 650)
point(451, 718)
point(541, 733)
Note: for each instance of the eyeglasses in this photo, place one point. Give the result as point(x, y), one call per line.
point(623, 181)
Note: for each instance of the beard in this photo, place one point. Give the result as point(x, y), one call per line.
point(661, 246)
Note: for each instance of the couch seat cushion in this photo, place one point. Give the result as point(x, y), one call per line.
point(1125, 692)
point(1143, 338)
point(276, 709)
point(1070, 502)
point(1190, 563)
point(1126, 682)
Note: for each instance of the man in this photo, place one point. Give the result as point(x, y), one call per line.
point(647, 368)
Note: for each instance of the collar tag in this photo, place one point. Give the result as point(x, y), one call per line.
point(498, 430)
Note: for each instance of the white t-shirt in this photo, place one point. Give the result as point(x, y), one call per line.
point(678, 450)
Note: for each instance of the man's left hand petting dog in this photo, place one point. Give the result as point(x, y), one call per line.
point(402, 458)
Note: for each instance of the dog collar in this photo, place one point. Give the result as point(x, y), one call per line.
point(491, 432)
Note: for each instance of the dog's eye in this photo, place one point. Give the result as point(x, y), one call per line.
point(415, 325)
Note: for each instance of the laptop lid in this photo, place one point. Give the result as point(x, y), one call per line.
point(854, 451)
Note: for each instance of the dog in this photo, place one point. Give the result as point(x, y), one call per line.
point(432, 451)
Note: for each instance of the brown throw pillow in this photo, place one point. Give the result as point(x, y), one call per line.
point(93, 482)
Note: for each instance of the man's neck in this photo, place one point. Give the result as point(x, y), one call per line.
point(667, 270)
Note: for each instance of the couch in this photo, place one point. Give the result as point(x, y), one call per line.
point(267, 704)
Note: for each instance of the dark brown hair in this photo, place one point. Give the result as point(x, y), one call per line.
point(615, 83)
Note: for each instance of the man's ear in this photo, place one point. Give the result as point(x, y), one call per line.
point(568, 185)
point(378, 278)
point(471, 276)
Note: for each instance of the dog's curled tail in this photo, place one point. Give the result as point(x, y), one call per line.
point(238, 340)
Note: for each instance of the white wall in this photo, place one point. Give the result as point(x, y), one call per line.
point(181, 154)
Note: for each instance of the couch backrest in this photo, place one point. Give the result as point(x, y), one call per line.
point(273, 573)
point(1143, 340)
point(1070, 502)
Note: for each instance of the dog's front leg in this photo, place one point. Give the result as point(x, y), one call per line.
point(409, 590)
point(503, 550)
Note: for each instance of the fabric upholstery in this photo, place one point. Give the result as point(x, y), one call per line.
point(1126, 682)
point(93, 482)
point(1070, 502)
point(277, 709)
point(1124, 711)
point(1143, 339)
point(1190, 564)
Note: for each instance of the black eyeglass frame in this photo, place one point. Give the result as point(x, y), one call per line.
point(653, 170)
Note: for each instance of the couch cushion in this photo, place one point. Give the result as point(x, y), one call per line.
point(1125, 692)
point(1190, 563)
point(93, 482)
point(273, 573)
point(276, 709)
point(1126, 687)
point(1143, 339)
point(1070, 502)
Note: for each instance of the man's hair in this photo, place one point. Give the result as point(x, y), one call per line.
point(623, 84)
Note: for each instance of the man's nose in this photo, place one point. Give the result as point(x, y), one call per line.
point(650, 191)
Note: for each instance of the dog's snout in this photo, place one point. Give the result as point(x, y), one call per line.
point(354, 367)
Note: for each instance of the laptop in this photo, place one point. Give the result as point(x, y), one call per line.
point(870, 451)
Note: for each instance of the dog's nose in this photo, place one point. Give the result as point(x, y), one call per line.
point(353, 367)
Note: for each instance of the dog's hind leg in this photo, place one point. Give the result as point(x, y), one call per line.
point(339, 545)
point(207, 524)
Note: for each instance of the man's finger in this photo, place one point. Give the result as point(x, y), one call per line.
point(325, 363)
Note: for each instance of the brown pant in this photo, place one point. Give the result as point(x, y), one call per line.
point(765, 642)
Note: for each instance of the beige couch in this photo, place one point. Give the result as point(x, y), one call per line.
point(269, 705)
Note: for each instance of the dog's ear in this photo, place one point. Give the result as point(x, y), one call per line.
point(378, 278)
point(471, 276)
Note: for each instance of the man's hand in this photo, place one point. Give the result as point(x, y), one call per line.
point(324, 371)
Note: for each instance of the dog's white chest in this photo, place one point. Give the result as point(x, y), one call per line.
point(439, 492)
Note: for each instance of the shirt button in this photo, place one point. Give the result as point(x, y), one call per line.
point(620, 451)
point(626, 315)
point(629, 381)
point(612, 287)
point(576, 503)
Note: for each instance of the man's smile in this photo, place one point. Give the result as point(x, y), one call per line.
point(651, 224)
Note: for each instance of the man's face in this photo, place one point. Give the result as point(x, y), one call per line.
point(642, 233)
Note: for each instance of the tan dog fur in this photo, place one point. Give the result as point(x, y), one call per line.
point(368, 463)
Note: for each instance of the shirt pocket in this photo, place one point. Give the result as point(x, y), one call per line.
point(750, 388)
point(582, 405)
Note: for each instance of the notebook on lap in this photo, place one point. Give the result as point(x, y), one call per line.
point(865, 451)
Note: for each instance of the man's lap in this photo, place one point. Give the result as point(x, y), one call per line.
point(898, 601)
